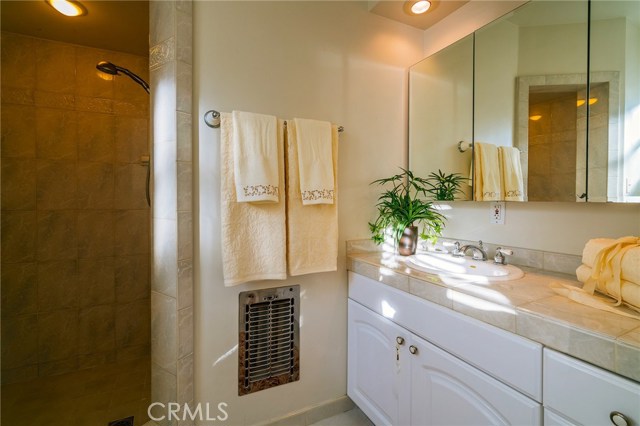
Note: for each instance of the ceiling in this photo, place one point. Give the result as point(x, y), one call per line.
point(122, 26)
point(394, 9)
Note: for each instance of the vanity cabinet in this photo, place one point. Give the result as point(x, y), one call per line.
point(577, 393)
point(397, 377)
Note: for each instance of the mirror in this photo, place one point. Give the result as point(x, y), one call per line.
point(441, 111)
point(531, 94)
point(613, 156)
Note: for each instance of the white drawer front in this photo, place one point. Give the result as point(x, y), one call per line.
point(587, 394)
point(513, 359)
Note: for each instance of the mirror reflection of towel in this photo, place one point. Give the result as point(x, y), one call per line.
point(486, 173)
point(512, 183)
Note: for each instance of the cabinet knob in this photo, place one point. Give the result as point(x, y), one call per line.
point(413, 350)
point(619, 419)
point(400, 340)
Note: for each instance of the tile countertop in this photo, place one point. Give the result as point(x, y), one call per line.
point(526, 306)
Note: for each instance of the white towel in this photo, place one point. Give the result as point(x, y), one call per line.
point(255, 156)
point(312, 243)
point(628, 291)
point(486, 173)
point(511, 173)
point(315, 161)
point(629, 264)
point(253, 234)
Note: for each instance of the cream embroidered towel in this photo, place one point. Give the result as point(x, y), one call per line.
point(630, 262)
point(253, 234)
point(486, 173)
point(511, 173)
point(315, 161)
point(312, 238)
point(255, 157)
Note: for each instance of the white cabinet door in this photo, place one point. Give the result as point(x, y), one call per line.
point(448, 391)
point(588, 395)
point(377, 378)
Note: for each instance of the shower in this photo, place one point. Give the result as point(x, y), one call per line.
point(109, 68)
point(112, 69)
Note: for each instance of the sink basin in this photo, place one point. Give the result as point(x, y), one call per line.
point(463, 267)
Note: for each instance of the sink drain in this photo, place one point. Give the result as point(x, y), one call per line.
point(122, 422)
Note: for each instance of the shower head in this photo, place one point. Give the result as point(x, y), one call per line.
point(109, 68)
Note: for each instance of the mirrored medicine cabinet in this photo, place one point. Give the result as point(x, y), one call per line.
point(559, 81)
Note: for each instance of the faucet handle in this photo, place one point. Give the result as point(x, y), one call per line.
point(456, 249)
point(480, 244)
point(500, 258)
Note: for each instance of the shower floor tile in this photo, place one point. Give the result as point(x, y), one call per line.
point(84, 398)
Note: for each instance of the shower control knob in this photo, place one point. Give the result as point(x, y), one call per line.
point(400, 340)
point(413, 350)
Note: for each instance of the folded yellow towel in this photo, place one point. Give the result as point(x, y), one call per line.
point(486, 173)
point(511, 173)
point(312, 239)
point(253, 234)
point(255, 157)
point(630, 262)
point(627, 291)
point(315, 161)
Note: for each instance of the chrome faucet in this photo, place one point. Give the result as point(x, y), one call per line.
point(479, 252)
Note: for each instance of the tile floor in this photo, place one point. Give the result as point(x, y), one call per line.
point(353, 417)
point(83, 398)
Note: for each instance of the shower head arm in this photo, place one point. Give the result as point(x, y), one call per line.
point(134, 77)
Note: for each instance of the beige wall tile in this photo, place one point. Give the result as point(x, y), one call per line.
point(185, 185)
point(55, 368)
point(19, 289)
point(55, 67)
point(19, 341)
point(184, 124)
point(164, 333)
point(132, 139)
point(18, 61)
point(162, 13)
point(185, 332)
point(18, 236)
point(96, 137)
point(185, 380)
point(55, 100)
point(95, 185)
point(94, 105)
point(185, 283)
point(132, 278)
point(20, 374)
point(56, 131)
point(96, 281)
point(133, 323)
point(132, 232)
point(185, 235)
point(129, 353)
point(165, 257)
point(57, 185)
point(57, 335)
point(95, 233)
point(57, 285)
point(96, 329)
point(57, 235)
point(96, 359)
point(89, 81)
point(164, 388)
point(18, 131)
point(18, 184)
point(12, 95)
point(130, 186)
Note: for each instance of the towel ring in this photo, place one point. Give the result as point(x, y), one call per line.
point(212, 118)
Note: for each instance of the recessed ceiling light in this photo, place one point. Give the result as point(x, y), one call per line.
point(67, 7)
point(420, 7)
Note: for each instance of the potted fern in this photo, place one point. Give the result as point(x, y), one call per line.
point(443, 187)
point(401, 209)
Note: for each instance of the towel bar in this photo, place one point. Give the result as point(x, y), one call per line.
point(463, 146)
point(212, 119)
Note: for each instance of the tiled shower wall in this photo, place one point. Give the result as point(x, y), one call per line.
point(75, 222)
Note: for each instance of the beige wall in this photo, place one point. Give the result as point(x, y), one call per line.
point(557, 227)
point(324, 60)
point(75, 234)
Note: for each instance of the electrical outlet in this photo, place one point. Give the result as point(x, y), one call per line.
point(498, 211)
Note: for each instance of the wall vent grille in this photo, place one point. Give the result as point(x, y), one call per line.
point(269, 353)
